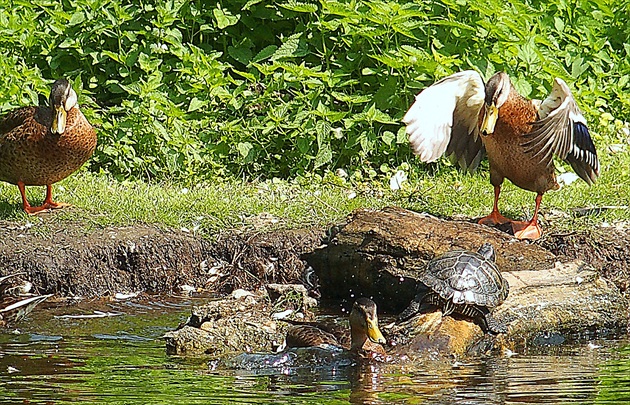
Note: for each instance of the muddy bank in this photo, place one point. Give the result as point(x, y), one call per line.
point(375, 253)
point(67, 259)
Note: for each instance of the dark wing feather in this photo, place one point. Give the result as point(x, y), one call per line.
point(309, 336)
point(465, 148)
point(561, 130)
point(583, 156)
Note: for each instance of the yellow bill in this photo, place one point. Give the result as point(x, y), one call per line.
point(489, 119)
point(373, 332)
point(59, 121)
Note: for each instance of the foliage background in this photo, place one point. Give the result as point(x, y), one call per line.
point(195, 90)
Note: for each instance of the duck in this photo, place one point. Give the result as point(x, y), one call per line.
point(43, 145)
point(364, 336)
point(467, 119)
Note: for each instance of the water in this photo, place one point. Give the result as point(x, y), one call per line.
point(122, 360)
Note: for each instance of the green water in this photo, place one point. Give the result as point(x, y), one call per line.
point(121, 360)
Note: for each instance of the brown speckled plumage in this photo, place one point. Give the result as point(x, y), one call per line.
point(357, 338)
point(466, 118)
point(30, 153)
point(508, 158)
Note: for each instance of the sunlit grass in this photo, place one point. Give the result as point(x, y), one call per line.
point(439, 189)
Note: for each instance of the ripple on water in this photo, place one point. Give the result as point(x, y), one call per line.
point(121, 360)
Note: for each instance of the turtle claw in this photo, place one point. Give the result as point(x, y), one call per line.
point(493, 326)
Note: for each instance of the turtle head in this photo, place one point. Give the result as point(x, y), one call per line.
point(487, 250)
point(497, 91)
point(62, 99)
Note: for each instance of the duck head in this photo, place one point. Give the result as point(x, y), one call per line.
point(62, 99)
point(364, 323)
point(497, 91)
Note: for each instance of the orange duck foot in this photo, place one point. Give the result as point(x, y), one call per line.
point(526, 230)
point(495, 218)
point(46, 207)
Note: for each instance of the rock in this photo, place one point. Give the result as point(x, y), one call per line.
point(297, 292)
point(188, 341)
point(241, 322)
point(378, 252)
point(430, 334)
point(569, 298)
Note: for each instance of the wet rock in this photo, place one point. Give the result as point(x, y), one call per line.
point(242, 322)
point(297, 295)
point(378, 253)
point(568, 299)
point(431, 335)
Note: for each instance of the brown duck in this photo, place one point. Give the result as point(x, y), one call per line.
point(467, 119)
point(43, 145)
point(364, 335)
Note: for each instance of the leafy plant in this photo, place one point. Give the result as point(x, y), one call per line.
point(192, 90)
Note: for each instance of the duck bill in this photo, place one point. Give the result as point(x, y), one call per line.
point(374, 333)
point(59, 121)
point(489, 119)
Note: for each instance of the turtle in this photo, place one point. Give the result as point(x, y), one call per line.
point(463, 282)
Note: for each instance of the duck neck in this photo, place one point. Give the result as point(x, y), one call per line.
point(358, 338)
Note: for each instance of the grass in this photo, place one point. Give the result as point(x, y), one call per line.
point(439, 189)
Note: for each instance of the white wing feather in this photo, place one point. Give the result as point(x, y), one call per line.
point(430, 119)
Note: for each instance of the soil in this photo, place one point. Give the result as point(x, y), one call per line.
point(69, 259)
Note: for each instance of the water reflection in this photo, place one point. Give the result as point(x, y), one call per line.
point(122, 360)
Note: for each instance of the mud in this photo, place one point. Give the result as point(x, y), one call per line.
point(71, 259)
point(77, 259)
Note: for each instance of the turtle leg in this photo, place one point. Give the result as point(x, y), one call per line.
point(483, 318)
point(493, 326)
point(410, 311)
point(448, 308)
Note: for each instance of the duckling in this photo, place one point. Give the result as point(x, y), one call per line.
point(43, 145)
point(467, 119)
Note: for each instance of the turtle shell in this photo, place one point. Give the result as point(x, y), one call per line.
point(467, 278)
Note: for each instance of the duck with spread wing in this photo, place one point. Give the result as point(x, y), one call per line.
point(465, 119)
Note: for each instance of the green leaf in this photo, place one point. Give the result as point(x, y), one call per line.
point(196, 104)
point(225, 18)
point(265, 53)
point(289, 48)
point(299, 6)
point(324, 155)
point(388, 137)
point(241, 54)
point(244, 148)
point(401, 136)
point(77, 18)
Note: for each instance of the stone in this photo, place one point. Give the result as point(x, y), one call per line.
point(378, 252)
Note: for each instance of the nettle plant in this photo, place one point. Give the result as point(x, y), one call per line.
point(192, 90)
